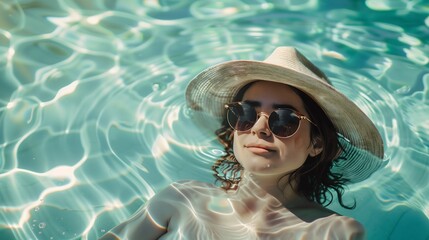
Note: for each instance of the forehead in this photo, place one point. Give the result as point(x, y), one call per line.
point(269, 93)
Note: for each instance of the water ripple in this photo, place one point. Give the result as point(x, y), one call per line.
point(206, 9)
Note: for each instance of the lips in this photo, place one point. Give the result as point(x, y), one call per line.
point(259, 148)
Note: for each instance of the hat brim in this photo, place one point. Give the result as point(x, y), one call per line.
point(217, 85)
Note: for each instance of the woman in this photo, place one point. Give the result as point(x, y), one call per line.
point(290, 141)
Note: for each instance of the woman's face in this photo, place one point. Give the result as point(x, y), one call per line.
point(258, 150)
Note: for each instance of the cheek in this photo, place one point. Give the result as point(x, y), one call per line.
point(237, 147)
point(296, 148)
point(301, 139)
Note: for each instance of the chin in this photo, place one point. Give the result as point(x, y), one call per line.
point(259, 169)
point(268, 170)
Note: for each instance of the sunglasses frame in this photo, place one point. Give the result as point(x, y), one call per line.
point(300, 117)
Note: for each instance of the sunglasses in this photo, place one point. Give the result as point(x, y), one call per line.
point(282, 122)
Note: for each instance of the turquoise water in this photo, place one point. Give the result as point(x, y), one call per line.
point(93, 118)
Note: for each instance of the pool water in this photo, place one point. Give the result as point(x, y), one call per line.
point(93, 120)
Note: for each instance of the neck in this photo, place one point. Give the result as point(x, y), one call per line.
point(273, 188)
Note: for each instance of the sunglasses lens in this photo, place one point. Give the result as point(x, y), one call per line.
point(241, 117)
point(283, 122)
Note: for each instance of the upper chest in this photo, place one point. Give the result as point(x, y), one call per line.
point(222, 218)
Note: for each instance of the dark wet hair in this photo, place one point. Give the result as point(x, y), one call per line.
point(314, 179)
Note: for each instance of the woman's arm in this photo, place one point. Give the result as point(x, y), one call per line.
point(150, 222)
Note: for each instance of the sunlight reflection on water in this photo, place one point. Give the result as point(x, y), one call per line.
point(93, 119)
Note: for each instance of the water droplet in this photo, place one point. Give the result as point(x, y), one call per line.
point(268, 165)
point(42, 225)
point(37, 209)
point(103, 230)
point(155, 87)
point(188, 112)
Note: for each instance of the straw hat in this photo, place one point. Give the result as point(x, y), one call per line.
point(217, 85)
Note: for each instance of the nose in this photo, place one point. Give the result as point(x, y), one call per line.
point(261, 128)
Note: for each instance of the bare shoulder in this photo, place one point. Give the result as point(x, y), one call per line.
point(339, 226)
point(329, 223)
point(154, 219)
point(347, 228)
